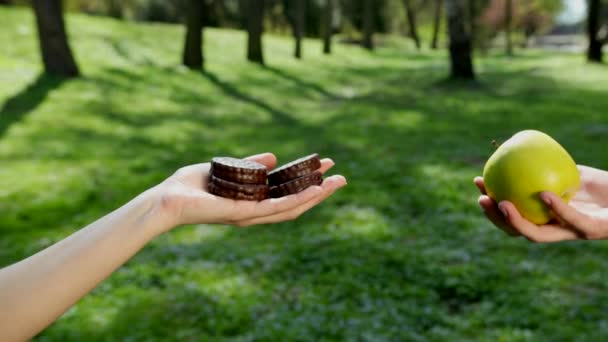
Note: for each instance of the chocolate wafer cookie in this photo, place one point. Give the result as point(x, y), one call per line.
point(252, 189)
point(219, 190)
point(296, 185)
point(239, 170)
point(295, 169)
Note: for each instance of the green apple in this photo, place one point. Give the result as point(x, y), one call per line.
point(526, 165)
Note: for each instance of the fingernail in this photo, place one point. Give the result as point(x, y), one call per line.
point(545, 197)
point(503, 210)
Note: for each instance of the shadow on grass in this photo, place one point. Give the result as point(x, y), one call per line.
point(279, 116)
point(298, 82)
point(22, 103)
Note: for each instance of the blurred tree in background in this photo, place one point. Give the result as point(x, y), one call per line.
point(368, 24)
point(255, 26)
point(507, 26)
point(411, 20)
point(327, 25)
point(438, 11)
point(596, 32)
point(295, 13)
point(56, 53)
point(460, 40)
point(529, 18)
point(482, 24)
point(193, 46)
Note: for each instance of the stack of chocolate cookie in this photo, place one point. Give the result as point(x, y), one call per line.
point(238, 179)
point(295, 176)
point(247, 180)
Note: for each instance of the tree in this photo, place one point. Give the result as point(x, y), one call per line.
point(298, 27)
point(411, 20)
point(193, 46)
point(327, 25)
point(472, 16)
point(531, 17)
point(460, 40)
point(368, 24)
point(436, 23)
point(508, 21)
point(255, 23)
point(56, 54)
point(594, 51)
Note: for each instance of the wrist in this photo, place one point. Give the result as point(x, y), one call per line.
point(156, 215)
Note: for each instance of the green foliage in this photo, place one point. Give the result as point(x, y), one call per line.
point(402, 253)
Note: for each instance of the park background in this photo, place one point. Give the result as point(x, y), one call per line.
point(402, 253)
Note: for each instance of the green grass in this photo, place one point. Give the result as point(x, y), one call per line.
point(402, 253)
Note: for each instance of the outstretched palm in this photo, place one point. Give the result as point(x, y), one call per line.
point(186, 195)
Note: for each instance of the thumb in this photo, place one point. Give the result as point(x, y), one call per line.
point(568, 214)
point(267, 159)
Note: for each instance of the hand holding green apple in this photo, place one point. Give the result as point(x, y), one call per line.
point(528, 183)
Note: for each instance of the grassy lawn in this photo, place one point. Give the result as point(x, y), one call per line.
point(402, 253)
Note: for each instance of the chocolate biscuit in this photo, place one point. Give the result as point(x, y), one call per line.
point(252, 189)
point(239, 170)
point(295, 169)
point(235, 194)
point(296, 185)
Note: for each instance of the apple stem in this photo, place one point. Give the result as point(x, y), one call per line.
point(495, 144)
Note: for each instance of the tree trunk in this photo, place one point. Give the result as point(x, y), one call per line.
point(327, 26)
point(508, 19)
point(436, 24)
point(460, 41)
point(594, 52)
point(472, 15)
point(193, 47)
point(255, 22)
point(115, 9)
point(411, 20)
point(243, 5)
point(56, 54)
point(298, 27)
point(368, 24)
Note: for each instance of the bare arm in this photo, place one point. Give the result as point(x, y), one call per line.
point(36, 291)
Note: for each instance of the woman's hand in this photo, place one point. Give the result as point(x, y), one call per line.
point(184, 199)
point(37, 290)
point(585, 217)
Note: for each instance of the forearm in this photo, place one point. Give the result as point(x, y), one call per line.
point(37, 290)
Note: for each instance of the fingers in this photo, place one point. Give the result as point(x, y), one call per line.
point(329, 186)
point(573, 224)
point(480, 185)
point(495, 216)
point(534, 233)
point(247, 210)
point(267, 159)
point(491, 210)
point(576, 220)
point(326, 164)
point(270, 161)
